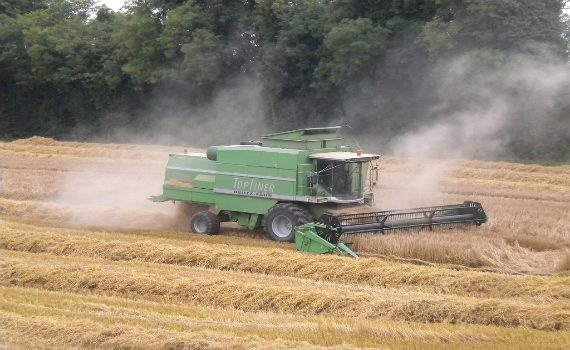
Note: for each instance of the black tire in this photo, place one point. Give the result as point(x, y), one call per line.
point(281, 220)
point(205, 222)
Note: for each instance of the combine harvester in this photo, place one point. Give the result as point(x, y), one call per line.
point(292, 183)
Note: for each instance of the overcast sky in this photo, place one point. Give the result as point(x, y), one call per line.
point(113, 4)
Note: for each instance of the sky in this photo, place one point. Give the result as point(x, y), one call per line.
point(113, 4)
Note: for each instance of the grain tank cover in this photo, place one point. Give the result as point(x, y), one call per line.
point(308, 138)
point(344, 156)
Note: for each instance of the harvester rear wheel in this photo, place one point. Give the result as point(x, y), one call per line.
point(281, 220)
point(205, 222)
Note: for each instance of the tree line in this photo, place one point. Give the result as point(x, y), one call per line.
point(65, 64)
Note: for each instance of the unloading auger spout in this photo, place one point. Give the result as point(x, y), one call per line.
point(330, 227)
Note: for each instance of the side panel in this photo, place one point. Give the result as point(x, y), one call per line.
point(252, 180)
point(252, 189)
point(190, 178)
point(244, 204)
point(187, 167)
point(195, 195)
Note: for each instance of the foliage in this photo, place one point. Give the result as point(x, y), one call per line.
point(66, 64)
point(504, 25)
point(351, 48)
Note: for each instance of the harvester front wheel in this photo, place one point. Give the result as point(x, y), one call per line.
point(281, 220)
point(205, 222)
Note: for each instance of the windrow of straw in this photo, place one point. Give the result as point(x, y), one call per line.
point(451, 184)
point(37, 209)
point(561, 179)
point(105, 311)
point(411, 165)
point(79, 165)
point(42, 332)
point(91, 215)
point(521, 236)
point(280, 262)
point(468, 190)
point(502, 178)
point(29, 183)
point(254, 292)
point(44, 147)
point(467, 248)
point(233, 234)
point(516, 167)
point(518, 235)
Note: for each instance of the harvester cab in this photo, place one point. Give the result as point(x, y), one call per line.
point(340, 177)
point(288, 180)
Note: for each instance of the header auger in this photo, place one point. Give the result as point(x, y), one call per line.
point(330, 227)
point(295, 179)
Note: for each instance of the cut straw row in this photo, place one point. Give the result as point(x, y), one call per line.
point(365, 272)
point(26, 306)
point(253, 292)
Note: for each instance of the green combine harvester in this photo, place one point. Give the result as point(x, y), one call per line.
point(292, 184)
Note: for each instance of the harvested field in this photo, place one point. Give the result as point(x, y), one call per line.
point(87, 262)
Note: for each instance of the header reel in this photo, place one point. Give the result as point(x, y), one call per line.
point(330, 227)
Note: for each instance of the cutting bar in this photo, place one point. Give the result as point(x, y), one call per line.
point(383, 222)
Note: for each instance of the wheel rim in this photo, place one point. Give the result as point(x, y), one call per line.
point(282, 226)
point(200, 225)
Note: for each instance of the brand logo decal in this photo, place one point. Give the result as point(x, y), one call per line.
point(253, 187)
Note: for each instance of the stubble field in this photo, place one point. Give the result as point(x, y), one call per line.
point(88, 262)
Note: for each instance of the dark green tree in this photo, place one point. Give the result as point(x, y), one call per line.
point(350, 49)
point(508, 25)
point(66, 64)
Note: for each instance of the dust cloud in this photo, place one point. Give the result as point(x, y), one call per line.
point(116, 197)
point(480, 110)
point(235, 113)
point(464, 108)
point(467, 107)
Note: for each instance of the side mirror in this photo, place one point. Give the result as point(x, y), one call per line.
point(312, 180)
point(375, 170)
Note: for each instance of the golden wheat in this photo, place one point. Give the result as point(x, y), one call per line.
point(117, 246)
point(102, 313)
point(48, 148)
point(102, 268)
point(255, 292)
